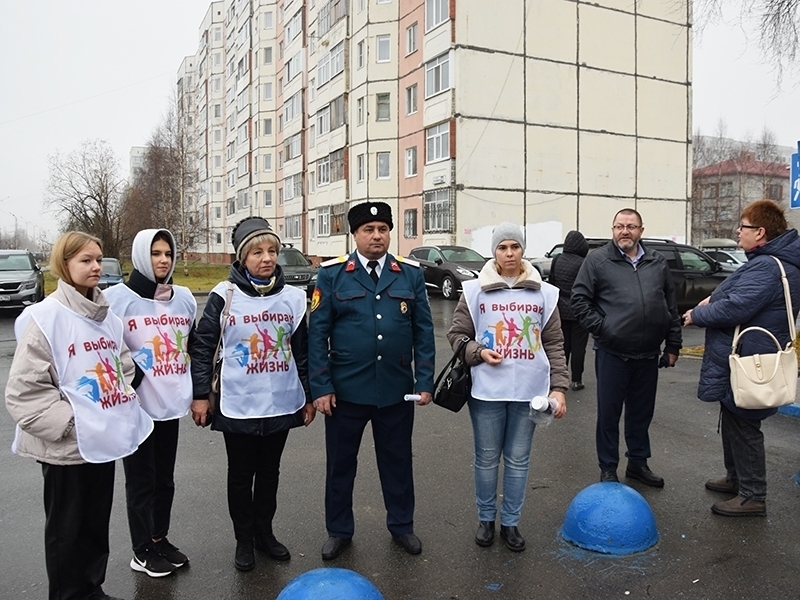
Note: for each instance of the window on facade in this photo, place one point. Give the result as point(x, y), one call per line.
point(361, 167)
point(323, 171)
point(324, 221)
point(411, 161)
point(217, 212)
point(267, 125)
point(337, 165)
point(294, 227)
point(267, 197)
point(410, 223)
point(338, 218)
point(411, 38)
point(268, 55)
point(384, 165)
point(293, 187)
point(774, 191)
point(218, 190)
point(323, 120)
point(384, 48)
point(217, 111)
point(242, 166)
point(292, 145)
point(437, 75)
point(217, 238)
point(294, 25)
point(230, 207)
point(217, 161)
point(268, 20)
point(382, 105)
point(217, 136)
point(267, 95)
point(360, 54)
point(293, 107)
point(411, 99)
point(268, 162)
point(360, 111)
point(312, 135)
point(436, 13)
point(437, 142)
point(436, 211)
point(329, 14)
point(241, 134)
point(293, 66)
point(337, 110)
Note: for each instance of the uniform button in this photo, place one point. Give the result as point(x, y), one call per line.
point(378, 316)
point(380, 337)
point(378, 297)
point(379, 357)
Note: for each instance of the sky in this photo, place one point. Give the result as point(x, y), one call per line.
point(74, 70)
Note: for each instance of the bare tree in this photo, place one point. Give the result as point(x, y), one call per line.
point(86, 189)
point(776, 23)
point(165, 193)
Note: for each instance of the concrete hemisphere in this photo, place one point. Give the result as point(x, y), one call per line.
point(330, 584)
point(611, 518)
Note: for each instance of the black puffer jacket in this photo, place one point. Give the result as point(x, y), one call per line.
point(630, 312)
point(564, 270)
point(205, 343)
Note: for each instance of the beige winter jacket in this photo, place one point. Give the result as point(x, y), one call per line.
point(552, 336)
point(33, 397)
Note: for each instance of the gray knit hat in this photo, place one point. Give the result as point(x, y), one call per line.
point(247, 229)
point(507, 231)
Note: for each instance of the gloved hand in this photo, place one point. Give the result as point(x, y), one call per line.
point(663, 362)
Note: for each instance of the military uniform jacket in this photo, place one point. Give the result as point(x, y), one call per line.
point(365, 337)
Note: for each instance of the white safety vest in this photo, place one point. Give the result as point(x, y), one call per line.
point(259, 373)
point(511, 322)
point(109, 421)
point(157, 332)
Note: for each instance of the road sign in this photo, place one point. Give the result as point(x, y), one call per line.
point(795, 190)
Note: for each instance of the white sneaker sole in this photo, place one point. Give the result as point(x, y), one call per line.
point(136, 566)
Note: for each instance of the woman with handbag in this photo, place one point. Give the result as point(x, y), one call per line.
point(516, 351)
point(264, 388)
point(752, 296)
point(70, 392)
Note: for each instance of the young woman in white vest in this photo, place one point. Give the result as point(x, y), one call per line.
point(158, 323)
point(516, 351)
point(264, 388)
point(70, 391)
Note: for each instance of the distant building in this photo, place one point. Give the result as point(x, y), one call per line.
point(136, 163)
point(723, 189)
point(460, 114)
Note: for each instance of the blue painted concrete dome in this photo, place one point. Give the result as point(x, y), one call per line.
point(611, 518)
point(330, 584)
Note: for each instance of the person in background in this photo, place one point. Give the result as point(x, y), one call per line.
point(624, 295)
point(70, 392)
point(751, 296)
point(370, 343)
point(158, 320)
point(264, 384)
point(563, 271)
point(508, 371)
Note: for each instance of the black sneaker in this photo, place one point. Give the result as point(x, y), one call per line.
point(151, 563)
point(170, 553)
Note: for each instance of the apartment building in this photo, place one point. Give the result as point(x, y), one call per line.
point(459, 113)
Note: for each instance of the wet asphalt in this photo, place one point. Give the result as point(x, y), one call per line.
point(698, 555)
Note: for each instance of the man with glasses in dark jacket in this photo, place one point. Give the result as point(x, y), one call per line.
point(624, 295)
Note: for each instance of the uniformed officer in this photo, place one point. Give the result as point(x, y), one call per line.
point(370, 321)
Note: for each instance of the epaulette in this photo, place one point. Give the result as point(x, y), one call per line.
point(333, 261)
point(407, 261)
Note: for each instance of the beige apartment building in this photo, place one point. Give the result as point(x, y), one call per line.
point(458, 113)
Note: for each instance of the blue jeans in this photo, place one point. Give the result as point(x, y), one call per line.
point(501, 427)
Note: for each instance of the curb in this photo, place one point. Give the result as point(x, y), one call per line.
point(792, 410)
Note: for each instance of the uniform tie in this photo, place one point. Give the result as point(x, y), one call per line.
point(373, 266)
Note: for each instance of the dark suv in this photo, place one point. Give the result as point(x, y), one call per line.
point(21, 279)
point(445, 267)
point(695, 273)
point(297, 269)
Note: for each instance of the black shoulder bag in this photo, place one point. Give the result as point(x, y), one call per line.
point(456, 388)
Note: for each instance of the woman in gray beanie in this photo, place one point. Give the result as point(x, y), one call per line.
point(264, 390)
point(516, 351)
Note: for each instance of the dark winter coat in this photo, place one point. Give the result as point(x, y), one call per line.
point(205, 343)
point(564, 269)
point(751, 296)
point(630, 312)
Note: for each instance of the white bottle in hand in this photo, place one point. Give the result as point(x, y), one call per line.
point(541, 411)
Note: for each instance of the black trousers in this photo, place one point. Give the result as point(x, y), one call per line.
point(77, 508)
point(631, 383)
point(744, 454)
point(254, 463)
point(150, 485)
point(575, 338)
point(391, 431)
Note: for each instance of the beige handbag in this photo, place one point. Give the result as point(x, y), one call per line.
point(765, 380)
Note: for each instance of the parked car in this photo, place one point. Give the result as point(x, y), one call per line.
point(297, 269)
point(21, 279)
point(724, 251)
point(694, 272)
point(112, 273)
point(445, 267)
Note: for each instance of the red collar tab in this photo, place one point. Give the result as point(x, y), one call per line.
point(351, 265)
point(394, 266)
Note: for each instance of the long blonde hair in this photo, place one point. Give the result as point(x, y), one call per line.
point(67, 246)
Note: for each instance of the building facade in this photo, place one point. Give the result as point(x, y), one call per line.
point(460, 114)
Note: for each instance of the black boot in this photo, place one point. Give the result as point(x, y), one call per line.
point(485, 535)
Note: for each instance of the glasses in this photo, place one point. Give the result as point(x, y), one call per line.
point(743, 226)
point(626, 227)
